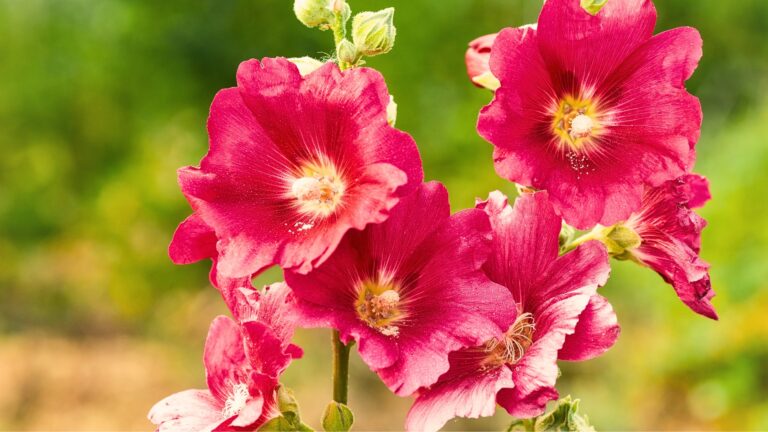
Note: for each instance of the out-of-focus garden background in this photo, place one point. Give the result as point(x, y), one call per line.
point(102, 100)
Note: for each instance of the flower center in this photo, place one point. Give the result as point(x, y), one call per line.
point(236, 400)
point(574, 122)
point(317, 189)
point(377, 305)
point(510, 348)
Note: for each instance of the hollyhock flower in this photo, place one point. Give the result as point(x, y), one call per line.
point(592, 108)
point(558, 315)
point(409, 290)
point(242, 363)
point(295, 162)
point(665, 235)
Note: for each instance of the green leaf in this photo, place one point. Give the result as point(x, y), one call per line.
point(337, 417)
point(286, 403)
point(593, 6)
point(280, 424)
point(564, 417)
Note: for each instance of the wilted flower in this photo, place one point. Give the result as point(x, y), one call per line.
point(295, 162)
point(592, 108)
point(409, 290)
point(557, 315)
point(668, 234)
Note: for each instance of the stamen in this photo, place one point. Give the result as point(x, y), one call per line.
point(512, 346)
point(318, 190)
point(581, 126)
point(236, 400)
point(378, 306)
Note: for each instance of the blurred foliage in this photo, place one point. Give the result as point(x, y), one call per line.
point(101, 101)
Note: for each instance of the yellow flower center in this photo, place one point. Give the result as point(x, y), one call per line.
point(378, 304)
point(317, 188)
point(575, 122)
point(511, 347)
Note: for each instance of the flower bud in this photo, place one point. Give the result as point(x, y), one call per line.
point(306, 65)
point(374, 32)
point(391, 111)
point(337, 417)
point(314, 13)
point(347, 53)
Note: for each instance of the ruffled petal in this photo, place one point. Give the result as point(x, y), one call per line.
point(595, 333)
point(469, 396)
point(194, 240)
point(187, 411)
point(225, 361)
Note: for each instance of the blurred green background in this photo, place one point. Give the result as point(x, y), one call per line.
point(102, 100)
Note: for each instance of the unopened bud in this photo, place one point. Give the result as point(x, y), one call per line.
point(337, 417)
point(347, 53)
point(374, 32)
point(306, 65)
point(314, 13)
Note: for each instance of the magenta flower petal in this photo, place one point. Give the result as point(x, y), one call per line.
point(670, 235)
point(193, 241)
point(296, 162)
point(595, 333)
point(466, 390)
point(409, 290)
point(225, 361)
point(584, 49)
point(592, 108)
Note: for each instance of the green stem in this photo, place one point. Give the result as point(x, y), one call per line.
point(592, 235)
point(340, 368)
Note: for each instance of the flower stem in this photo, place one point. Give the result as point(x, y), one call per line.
point(340, 368)
point(592, 235)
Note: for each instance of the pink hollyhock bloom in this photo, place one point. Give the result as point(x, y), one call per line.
point(477, 57)
point(558, 316)
point(242, 363)
point(409, 290)
point(295, 162)
point(592, 108)
point(670, 239)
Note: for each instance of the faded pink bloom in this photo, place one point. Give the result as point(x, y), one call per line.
point(242, 365)
point(409, 290)
point(558, 315)
point(477, 57)
point(593, 108)
point(670, 233)
point(294, 162)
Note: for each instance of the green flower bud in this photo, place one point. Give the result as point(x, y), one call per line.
point(620, 239)
point(347, 53)
point(337, 417)
point(286, 403)
point(314, 13)
point(306, 65)
point(391, 111)
point(374, 32)
point(593, 6)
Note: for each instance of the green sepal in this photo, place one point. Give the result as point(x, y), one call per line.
point(593, 6)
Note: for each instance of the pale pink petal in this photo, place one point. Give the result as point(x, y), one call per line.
point(187, 411)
